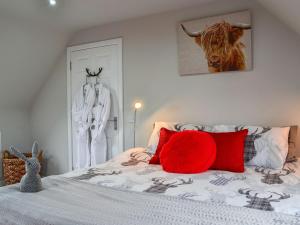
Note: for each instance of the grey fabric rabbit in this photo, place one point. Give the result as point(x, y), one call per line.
point(31, 181)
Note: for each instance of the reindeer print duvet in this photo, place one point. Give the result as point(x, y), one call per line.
point(258, 188)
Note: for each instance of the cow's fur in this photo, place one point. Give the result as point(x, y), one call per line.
point(222, 47)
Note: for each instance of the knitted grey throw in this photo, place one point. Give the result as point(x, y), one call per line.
point(69, 202)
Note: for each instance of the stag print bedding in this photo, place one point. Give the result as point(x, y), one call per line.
point(264, 146)
point(258, 188)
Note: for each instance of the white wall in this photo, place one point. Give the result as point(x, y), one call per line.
point(49, 120)
point(27, 52)
point(15, 129)
point(268, 95)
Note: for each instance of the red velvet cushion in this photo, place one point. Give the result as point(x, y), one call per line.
point(188, 152)
point(164, 137)
point(230, 151)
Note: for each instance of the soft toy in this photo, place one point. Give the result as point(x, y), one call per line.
point(31, 181)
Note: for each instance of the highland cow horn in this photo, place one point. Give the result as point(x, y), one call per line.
point(191, 34)
point(242, 26)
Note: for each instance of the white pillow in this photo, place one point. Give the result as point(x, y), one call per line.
point(264, 146)
point(154, 138)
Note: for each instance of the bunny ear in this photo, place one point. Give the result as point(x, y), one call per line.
point(35, 149)
point(17, 153)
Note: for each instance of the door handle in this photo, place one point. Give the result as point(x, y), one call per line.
point(115, 121)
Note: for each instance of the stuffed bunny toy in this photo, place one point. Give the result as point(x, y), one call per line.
point(31, 181)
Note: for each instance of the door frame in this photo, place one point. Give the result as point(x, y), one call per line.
point(119, 43)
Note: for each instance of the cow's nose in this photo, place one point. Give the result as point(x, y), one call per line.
point(214, 60)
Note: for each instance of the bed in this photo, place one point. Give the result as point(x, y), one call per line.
point(127, 190)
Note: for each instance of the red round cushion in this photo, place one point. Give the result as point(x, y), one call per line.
point(188, 152)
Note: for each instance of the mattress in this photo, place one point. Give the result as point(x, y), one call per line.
point(257, 188)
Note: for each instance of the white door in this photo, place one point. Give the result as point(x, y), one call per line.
point(108, 56)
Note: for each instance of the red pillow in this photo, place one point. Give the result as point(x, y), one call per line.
point(230, 151)
point(188, 152)
point(164, 137)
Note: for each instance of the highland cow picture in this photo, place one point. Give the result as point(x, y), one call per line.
point(215, 44)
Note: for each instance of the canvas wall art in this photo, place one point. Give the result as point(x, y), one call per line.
point(215, 44)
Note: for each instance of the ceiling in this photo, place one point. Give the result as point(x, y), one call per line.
point(286, 10)
point(72, 15)
point(34, 35)
point(27, 55)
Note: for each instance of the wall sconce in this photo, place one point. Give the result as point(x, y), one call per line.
point(137, 106)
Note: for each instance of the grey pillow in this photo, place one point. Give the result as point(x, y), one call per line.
point(292, 154)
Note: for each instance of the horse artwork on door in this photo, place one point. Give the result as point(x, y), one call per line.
point(215, 44)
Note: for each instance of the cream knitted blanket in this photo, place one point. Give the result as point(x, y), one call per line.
point(69, 202)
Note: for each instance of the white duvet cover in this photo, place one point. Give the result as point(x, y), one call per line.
point(257, 188)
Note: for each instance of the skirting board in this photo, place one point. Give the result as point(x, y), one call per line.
point(1, 182)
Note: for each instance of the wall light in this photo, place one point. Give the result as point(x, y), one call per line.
point(137, 106)
point(52, 2)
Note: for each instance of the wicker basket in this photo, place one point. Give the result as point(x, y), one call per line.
point(14, 168)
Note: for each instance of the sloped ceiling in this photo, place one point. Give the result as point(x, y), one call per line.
point(33, 35)
point(286, 10)
point(27, 55)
